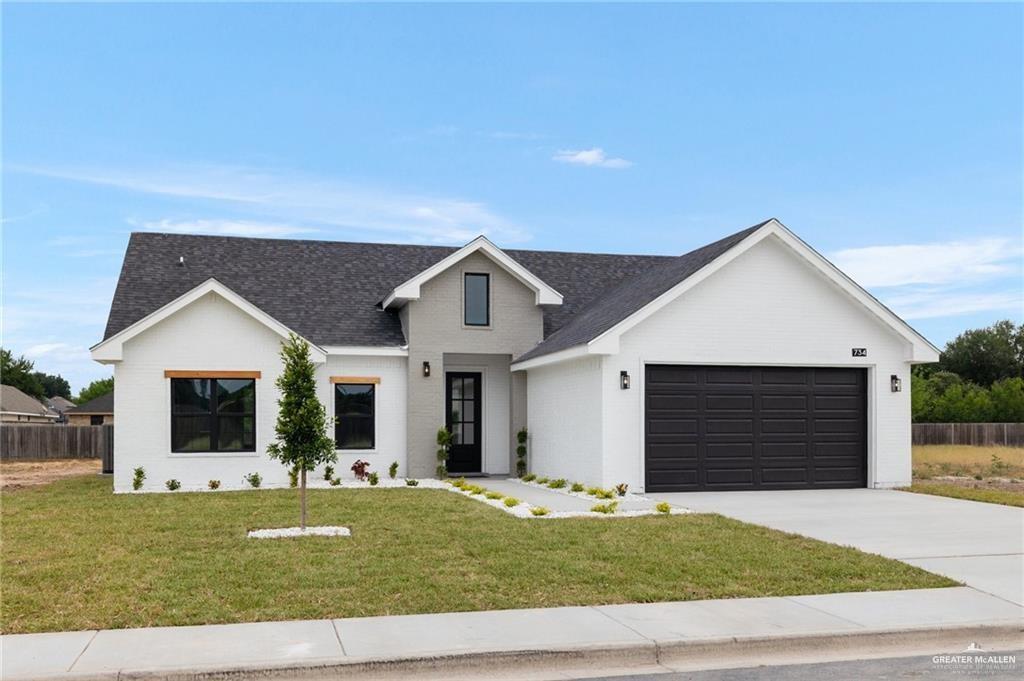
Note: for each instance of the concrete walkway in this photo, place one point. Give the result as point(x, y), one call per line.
point(627, 635)
point(981, 545)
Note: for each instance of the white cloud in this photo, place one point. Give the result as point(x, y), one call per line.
point(60, 353)
point(225, 227)
point(931, 263)
point(931, 304)
point(288, 200)
point(590, 157)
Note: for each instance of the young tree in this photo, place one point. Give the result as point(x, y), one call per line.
point(302, 437)
point(97, 388)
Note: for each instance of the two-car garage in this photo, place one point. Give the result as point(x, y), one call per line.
point(747, 428)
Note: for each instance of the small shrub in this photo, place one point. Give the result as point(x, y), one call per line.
point(254, 479)
point(605, 508)
point(998, 466)
point(529, 478)
point(328, 472)
point(411, 483)
point(374, 479)
point(173, 484)
point(521, 437)
point(557, 484)
point(393, 470)
point(601, 493)
point(441, 471)
point(542, 481)
point(138, 475)
point(977, 476)
point(444, 445)
point(520, 468)
point(621, 489)
point(539, 510)
point(293, 476)
point(577, 487)
point(335, 482)
point(459, 483)
point(360, 469)
point(494, 495)
point(663, 507)
point(474, 489)
point(213, 484)
point(511, 501)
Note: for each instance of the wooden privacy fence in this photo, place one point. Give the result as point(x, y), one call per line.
point(978, 434)
point(58, 442)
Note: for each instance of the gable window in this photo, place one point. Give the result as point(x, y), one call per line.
point(354, 409)
point(213, 415)
point(477, 299)
point(96, 420)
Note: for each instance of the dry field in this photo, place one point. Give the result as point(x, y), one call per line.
point(992, 474)
point(19, 474)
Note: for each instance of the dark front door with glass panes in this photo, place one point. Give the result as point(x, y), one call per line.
point(463, 397)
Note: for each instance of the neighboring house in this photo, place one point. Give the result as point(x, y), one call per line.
point(17, 407)
point(750, 363)
point(99, 411)
point(58, 405)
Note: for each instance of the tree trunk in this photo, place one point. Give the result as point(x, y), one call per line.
point(302, 499)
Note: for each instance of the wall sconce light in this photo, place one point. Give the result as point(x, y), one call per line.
point(624, 380)
point(895, 384)
point(426, 370)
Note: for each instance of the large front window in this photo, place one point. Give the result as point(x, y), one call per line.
point(477, 294)
point(213, 415)
point(354, 411)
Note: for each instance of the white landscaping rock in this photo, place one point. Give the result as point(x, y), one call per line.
point(321, 531)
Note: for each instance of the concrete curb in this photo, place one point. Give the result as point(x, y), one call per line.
point(722, 652)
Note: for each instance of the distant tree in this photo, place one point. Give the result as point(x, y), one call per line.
point(19, 373)
point(302, 442)
point(97, 388)
point(962, 403)
point(1008, 400)
point(54, 386)
point(984, 356)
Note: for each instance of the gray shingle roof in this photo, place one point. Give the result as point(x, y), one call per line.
point(328, 291)
point(13, 400)
point(625, 299)
point(104, 404)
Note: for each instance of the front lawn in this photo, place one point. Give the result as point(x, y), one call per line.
point(976, 492)
point(76, 556)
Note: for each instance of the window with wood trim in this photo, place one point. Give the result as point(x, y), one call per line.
point(477, 299)
point(354, 411)
point(213, 415)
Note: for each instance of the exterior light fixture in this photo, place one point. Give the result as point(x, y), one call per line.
point(895, 384)
point(426, 370)
point(624, 380)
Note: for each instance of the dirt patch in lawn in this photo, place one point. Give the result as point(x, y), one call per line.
point(20, 474)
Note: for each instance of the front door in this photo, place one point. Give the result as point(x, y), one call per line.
point(463, 398)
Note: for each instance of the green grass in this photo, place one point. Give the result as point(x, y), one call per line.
point(991, 496)
point(75, 556)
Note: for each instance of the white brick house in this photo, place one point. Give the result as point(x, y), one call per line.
point(750, 363)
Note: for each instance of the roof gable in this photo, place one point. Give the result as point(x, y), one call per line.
point(111, 349)
point(597, 331)
point(104, 404)
point(13, 401)
point(410, 288)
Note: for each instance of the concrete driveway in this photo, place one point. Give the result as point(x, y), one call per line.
point(975, 543)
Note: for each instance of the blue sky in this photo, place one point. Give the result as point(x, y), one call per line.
point(888, 136)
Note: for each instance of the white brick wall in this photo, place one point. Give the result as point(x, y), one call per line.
point(210, 335)
point(766, 307)
point(564, 420)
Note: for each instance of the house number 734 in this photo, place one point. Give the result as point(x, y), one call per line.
point(860, 352)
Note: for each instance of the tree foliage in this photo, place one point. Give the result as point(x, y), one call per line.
point(944, 397)
point(20, 373)
point(984, 356)
point(54, 385)
point(302, 442)
point(97, 388)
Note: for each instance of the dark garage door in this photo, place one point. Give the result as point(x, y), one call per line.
point(741, 428)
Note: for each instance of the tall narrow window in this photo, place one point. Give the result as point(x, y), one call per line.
point(354, 411)
point(213, 415)
point(477, 295)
